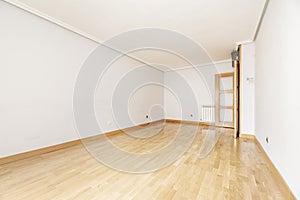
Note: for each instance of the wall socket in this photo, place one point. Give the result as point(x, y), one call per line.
point(147, 116)
point(267, 139)
point(191, 115)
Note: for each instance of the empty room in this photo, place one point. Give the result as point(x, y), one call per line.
point(149, 99)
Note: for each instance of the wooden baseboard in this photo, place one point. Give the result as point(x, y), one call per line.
point(188, 122)
point(270, 164)
point(44, 150)
point(128, 129)
point(247, 136)
point(37, 152)
point(173, 120)
point(274, 171)
point(195, 123)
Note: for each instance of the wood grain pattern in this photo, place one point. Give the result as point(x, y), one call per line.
point(25, 155)
point(274, 171)
point(247, 136)
point(240, 86)
point(28, 154)
point(236, 99)
point(235, 169)
point(196, 123)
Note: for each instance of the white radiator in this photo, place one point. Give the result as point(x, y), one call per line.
point(208, 114)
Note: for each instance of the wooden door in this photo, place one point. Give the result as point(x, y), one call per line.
point(224, 99)
point(236, 102)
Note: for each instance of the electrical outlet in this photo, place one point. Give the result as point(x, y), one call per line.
point(191, 115)
point(147, 116)
point(267, 140)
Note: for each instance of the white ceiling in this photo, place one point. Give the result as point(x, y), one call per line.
point(215, 24)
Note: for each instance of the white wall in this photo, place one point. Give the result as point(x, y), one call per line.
point(202, 83)
point(39, 64)
point(145, 99)
point(38, 68)
point(247, 89)
point(277, 88)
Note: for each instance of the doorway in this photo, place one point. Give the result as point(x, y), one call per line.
point(224, 100)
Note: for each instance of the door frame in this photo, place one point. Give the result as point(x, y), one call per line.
point(237, 91)
point(217, 100)
point(236, 97)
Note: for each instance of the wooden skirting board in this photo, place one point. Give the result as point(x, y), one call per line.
point(44, 150)
point(274, 170)
point(270, 164)
point(247, 136)
point(37, 152)
point(41, 151)
point(195, 123)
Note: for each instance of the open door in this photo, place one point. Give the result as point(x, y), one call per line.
point(236, 116)
point(224, 97)
point(236, 58)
